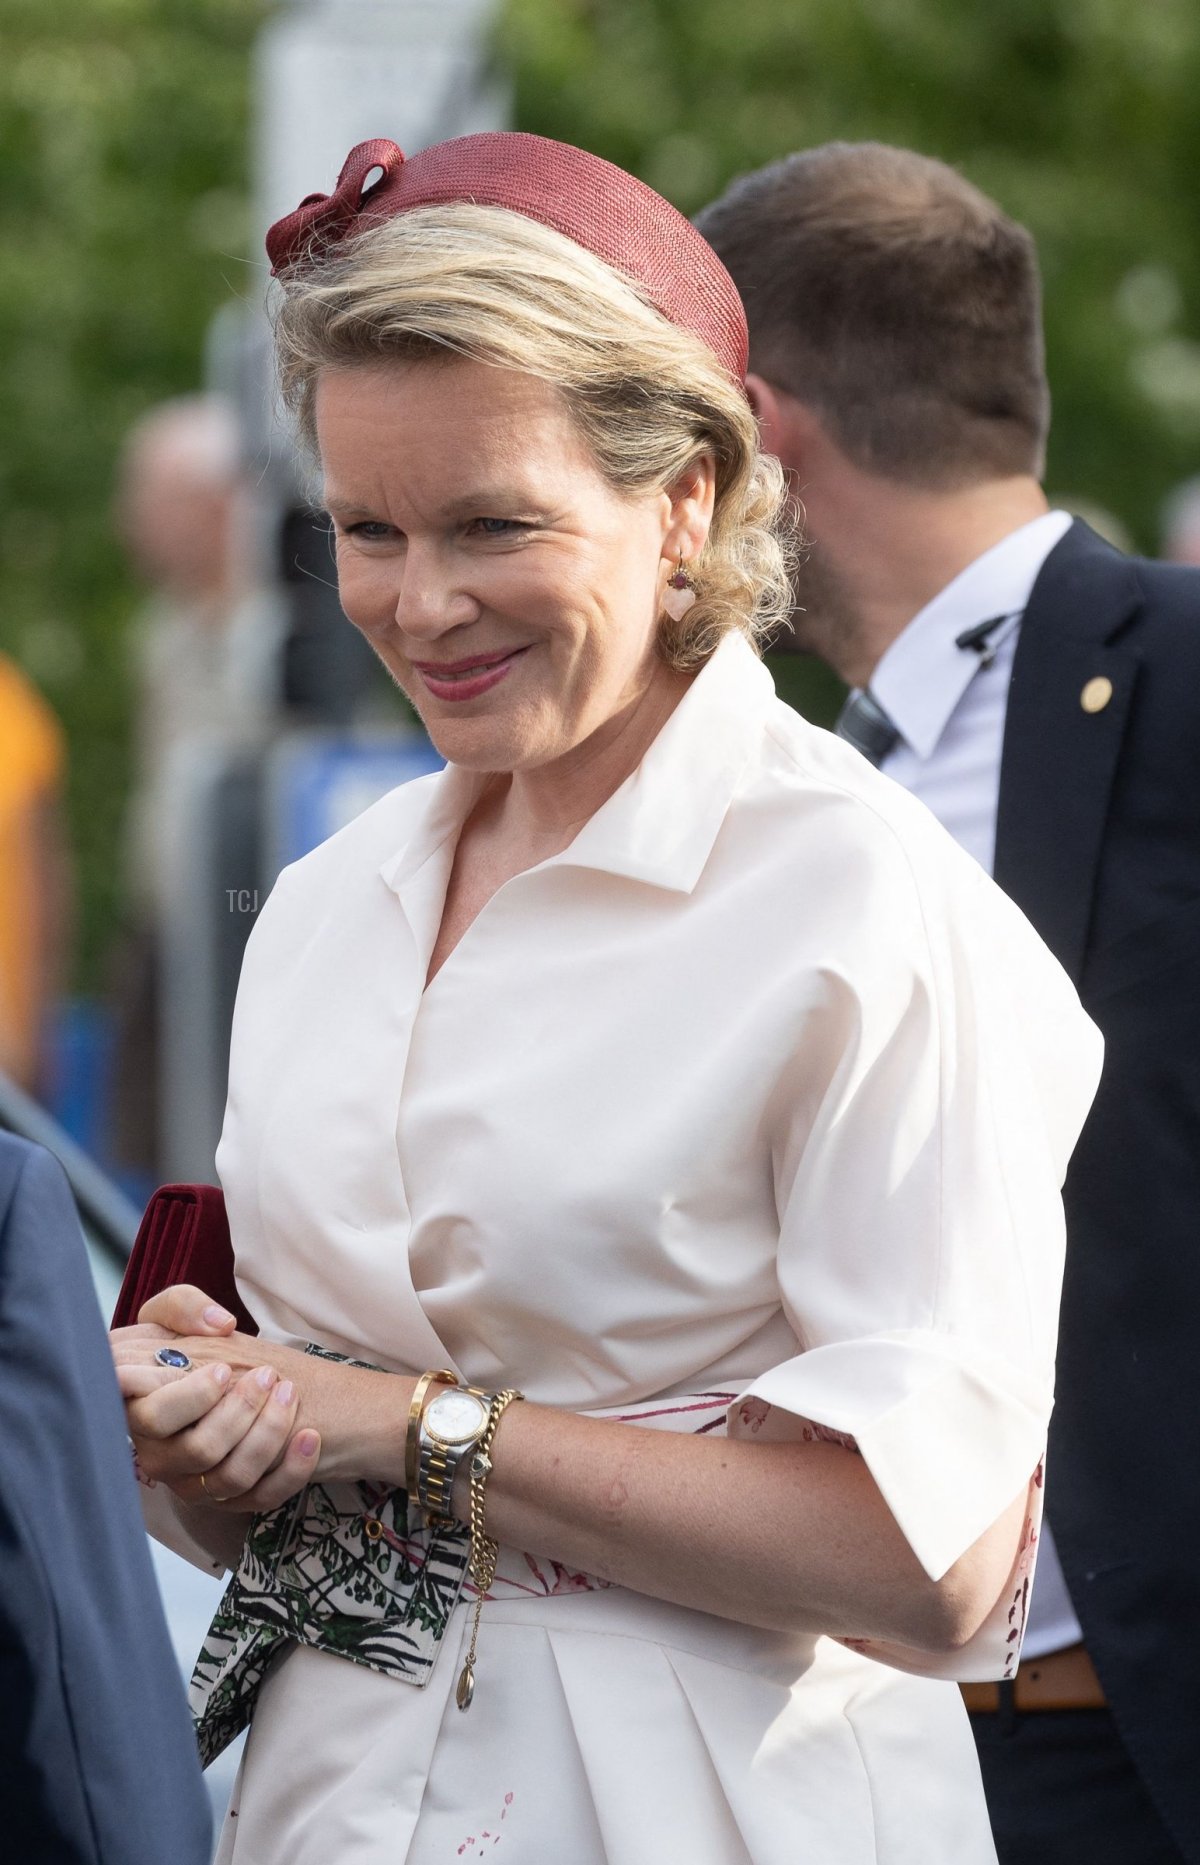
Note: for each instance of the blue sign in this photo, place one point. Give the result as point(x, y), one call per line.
point(319, 782)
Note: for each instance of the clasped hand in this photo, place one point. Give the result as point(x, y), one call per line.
point(230, 1418)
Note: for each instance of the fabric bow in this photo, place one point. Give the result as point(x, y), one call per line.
point(327, 218)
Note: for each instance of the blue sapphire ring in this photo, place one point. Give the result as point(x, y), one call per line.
point(173, 1357)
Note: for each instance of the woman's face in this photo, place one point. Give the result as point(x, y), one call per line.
point(511, 593)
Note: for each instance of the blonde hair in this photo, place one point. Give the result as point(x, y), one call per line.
point(648, 398)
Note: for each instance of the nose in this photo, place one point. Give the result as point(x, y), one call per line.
point(431, 600)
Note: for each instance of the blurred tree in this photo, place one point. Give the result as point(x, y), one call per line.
point(1079, 116)
point(122, 228)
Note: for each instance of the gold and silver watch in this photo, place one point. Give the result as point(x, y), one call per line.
point(451, 1426)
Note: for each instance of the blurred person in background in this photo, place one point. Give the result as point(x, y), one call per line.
point(1181, 524)
point(206, 673)
point(35, 884)
point(1040, 691)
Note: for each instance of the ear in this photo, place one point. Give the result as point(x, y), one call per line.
point(690, 500)
point(780, 427)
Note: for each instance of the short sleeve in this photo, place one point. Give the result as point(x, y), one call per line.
point(919, 1156)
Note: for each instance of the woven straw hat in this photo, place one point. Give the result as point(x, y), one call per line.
point(587, 199)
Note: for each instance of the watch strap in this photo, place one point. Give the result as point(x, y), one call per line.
point(438, 1463)
point(412, 1437)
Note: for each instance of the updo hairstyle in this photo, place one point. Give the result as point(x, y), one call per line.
point(648, 397)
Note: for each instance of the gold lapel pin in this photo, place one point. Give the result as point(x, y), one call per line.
point(1096, 694)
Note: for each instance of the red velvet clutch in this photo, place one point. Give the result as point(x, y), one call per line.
point(183, 1237)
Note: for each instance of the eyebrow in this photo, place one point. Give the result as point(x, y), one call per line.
point(335, 508)
point(484, 499)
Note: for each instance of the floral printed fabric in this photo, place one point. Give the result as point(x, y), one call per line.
point(341, 1567)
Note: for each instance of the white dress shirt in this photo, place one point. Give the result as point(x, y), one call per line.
point(758, 1095)
point(950, 710)
point(949, 706)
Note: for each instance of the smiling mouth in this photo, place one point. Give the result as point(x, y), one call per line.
point(466, 669)
point(466, 679)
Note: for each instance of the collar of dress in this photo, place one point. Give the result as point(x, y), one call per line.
point(660, 825)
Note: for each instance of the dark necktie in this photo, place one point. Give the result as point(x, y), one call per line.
point(863, 723)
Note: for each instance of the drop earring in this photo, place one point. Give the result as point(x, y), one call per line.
point(679, 594)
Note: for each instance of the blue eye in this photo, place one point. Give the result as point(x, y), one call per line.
point(370, 529)
point(498, 527)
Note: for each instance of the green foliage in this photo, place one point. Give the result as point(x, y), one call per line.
point(122, 228)
point(1078, 115)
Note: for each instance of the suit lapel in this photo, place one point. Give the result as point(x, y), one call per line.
point(1059, 758)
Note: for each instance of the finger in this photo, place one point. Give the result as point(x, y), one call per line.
point(185, 1309)
point(260, 1450)
point(199, 1350)
point(136, 1379)
point(215, 1436)
point(204, 1441)
point(177, 1404)
point(138, 1346)
point(297, 1468)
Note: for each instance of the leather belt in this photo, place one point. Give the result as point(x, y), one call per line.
point(1062, 1680)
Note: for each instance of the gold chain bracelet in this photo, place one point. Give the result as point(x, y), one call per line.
point(484, 1551)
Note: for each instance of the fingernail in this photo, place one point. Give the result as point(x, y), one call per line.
point(285, 1392)
point(266, 1377)
point(307, 1443)
point(222, 1375)
point(216, 1316)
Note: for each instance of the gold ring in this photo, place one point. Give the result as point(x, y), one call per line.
point(208, 1492)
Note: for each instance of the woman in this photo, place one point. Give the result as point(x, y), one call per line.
point(658, 1059)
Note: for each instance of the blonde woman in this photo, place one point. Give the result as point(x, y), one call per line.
point(658, 1061)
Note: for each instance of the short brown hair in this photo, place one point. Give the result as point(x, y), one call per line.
point(899, 302)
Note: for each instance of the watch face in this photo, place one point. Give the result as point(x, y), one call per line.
point(455, 1417)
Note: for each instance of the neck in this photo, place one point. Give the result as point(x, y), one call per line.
point(917, 542)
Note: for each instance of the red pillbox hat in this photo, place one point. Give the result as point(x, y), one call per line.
point(587, 199)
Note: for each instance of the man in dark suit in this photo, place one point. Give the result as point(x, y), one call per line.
point(98, 1764)
point(1041, 692)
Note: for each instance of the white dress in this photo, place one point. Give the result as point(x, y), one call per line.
point(754, 1103)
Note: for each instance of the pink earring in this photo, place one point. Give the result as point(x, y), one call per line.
point(679, 594)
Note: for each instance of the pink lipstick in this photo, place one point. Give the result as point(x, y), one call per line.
point(468, 678)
